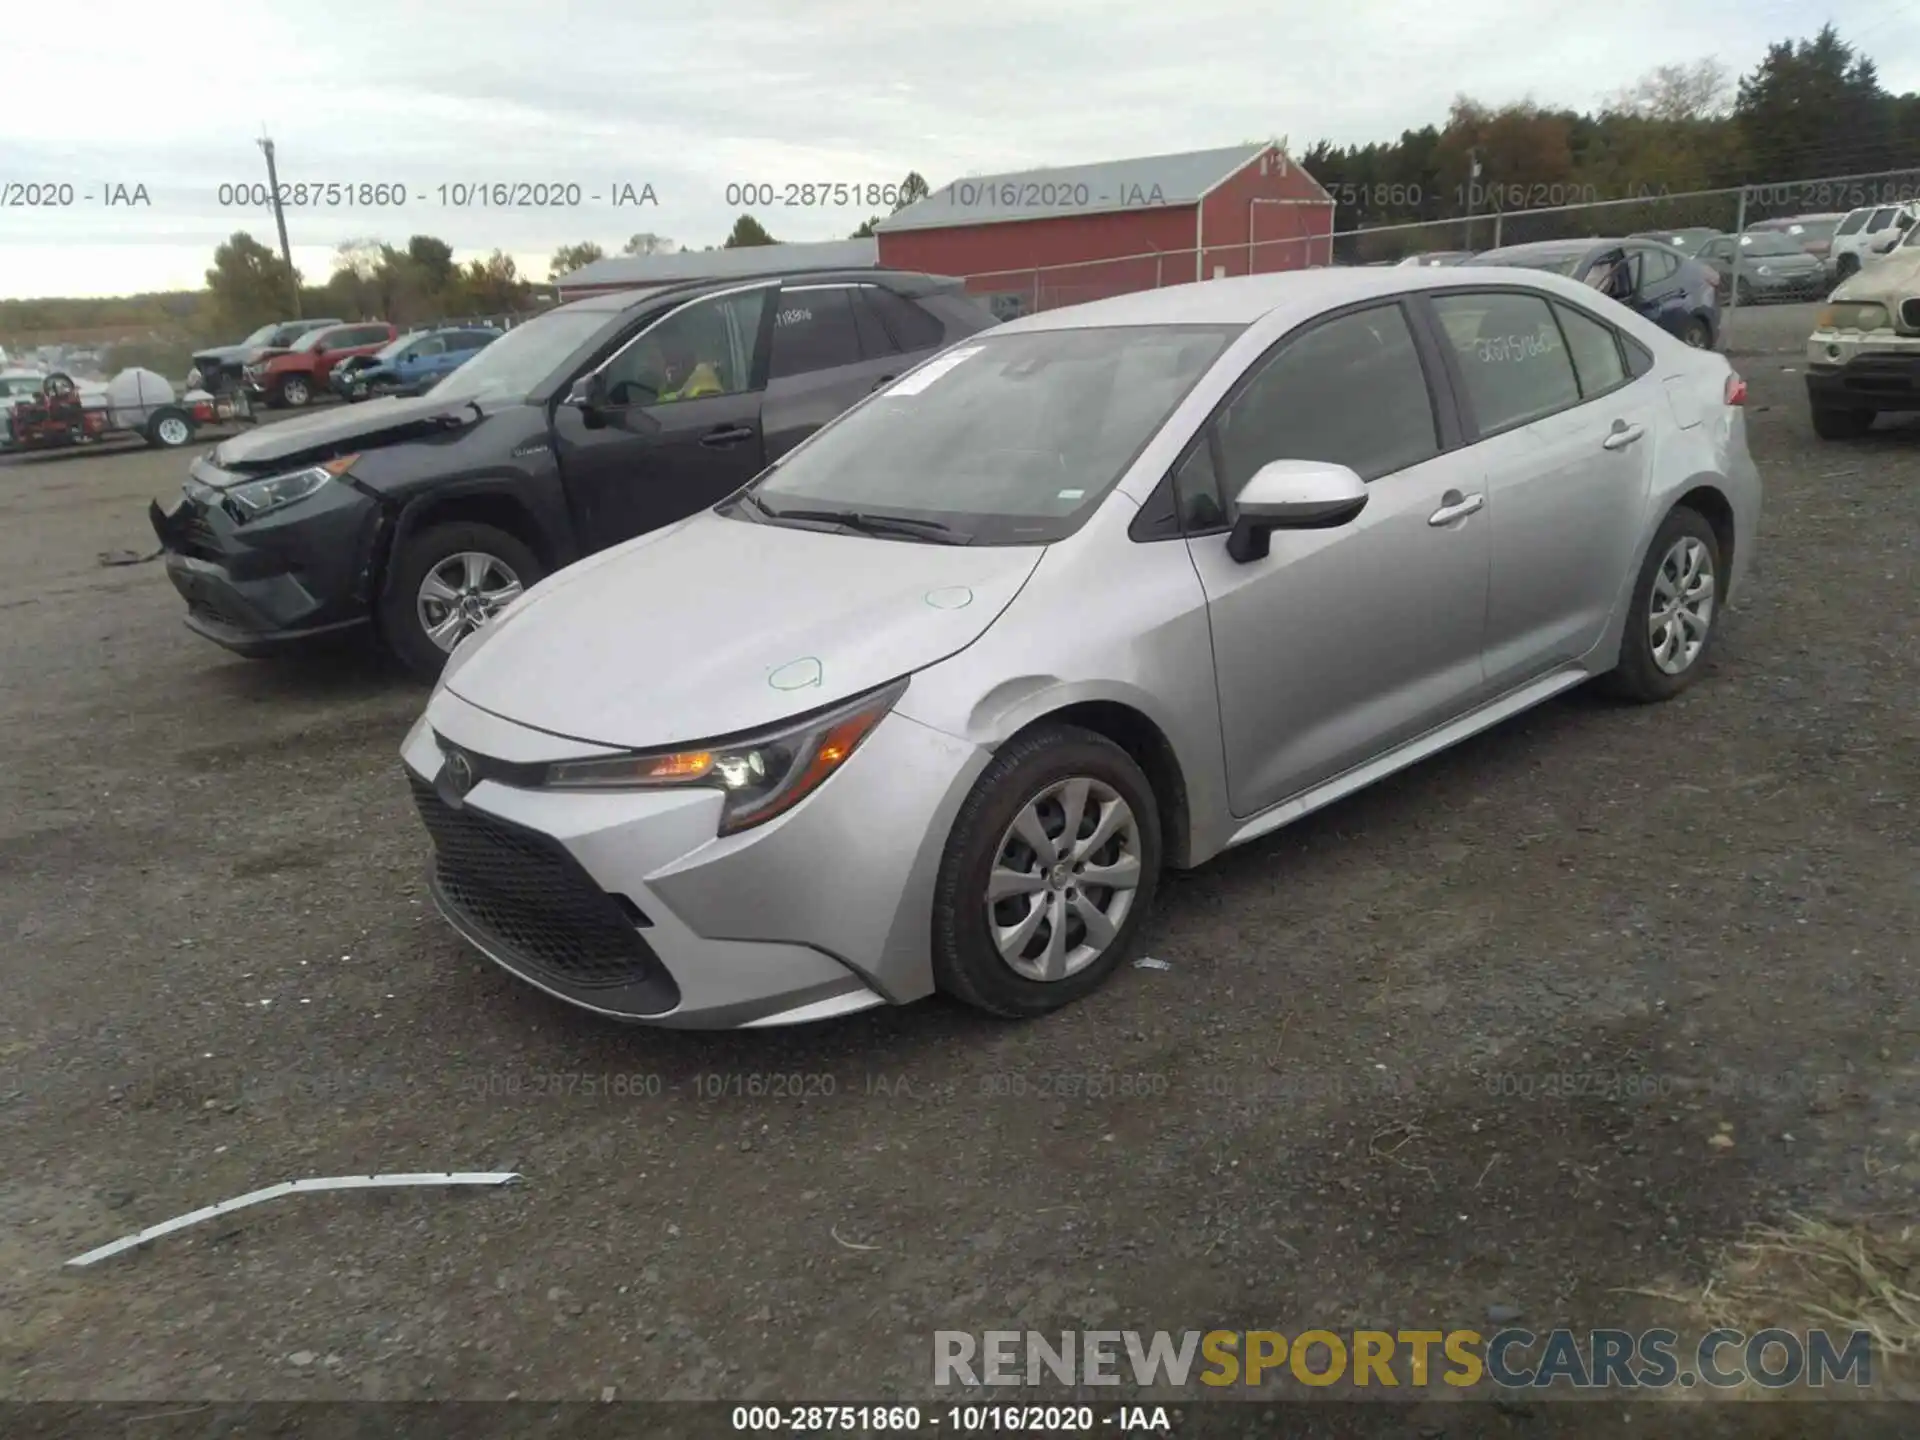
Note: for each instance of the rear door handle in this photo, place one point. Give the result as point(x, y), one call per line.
point(727, 435)
point(1623, 436)
point(1454, 505)
point(884, 380)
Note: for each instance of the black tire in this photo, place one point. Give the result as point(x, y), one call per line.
point(1698, 333)
point(1637, 676)
point(966, 965)
point(169, 429)
point(399, 616)
point(1830, 422)
point(295, 392)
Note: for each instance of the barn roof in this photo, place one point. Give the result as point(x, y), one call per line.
point(1148, 182)
point(625, 270)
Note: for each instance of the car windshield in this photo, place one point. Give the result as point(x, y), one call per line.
point(1007, 439)
point(513, 366)
point(1769, 242)
point(1556, 262)
point(1815, 230)
point(387, 352)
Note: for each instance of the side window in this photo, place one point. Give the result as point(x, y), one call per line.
point(471, 340)
point(437, 345)
point(1611, 275)
point(702, 350)
point(911, 327)
point(1196, 488)
point(813, 330)
point(1595, 349)
point(1511, 357)
point(1852, 223)
point(1351, 390)
point(369, 335)
point(1882, 218)
point(874, 340)
point(1652, 270)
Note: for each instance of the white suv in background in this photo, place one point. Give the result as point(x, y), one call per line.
point(1868, 233)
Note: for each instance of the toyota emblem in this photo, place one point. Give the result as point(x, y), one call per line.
point(459, 772)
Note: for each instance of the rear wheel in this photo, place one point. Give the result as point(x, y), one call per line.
point(1050, 869)
point(447, 582)
point(1698, 334)
point(1830, 422)
point(1671, 620)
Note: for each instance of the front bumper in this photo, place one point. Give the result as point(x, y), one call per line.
point(276, 581)
point(1851, 373)
point(627, 904)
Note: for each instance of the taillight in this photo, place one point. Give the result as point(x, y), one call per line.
point(1736, 393)
point(1713, 275)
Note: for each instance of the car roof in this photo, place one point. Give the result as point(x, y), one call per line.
point(1245, 299)
point(906, 282)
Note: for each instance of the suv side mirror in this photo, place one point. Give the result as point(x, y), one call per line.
point(588, 395)
point(1292, 495)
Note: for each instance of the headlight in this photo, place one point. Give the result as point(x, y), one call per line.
point(253, 498)
point(1852, 315)
point(760, 775)
point(1764, 270)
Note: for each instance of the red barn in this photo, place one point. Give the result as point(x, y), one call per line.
point(1045, 238)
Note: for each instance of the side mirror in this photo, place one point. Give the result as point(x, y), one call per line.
point(588, 395)
point(1292, 495)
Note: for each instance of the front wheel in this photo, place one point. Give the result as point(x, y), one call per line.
point(1832, 423)
point(1671, 620)
point(447, 582)
point(1048, 874)
point(295, 392)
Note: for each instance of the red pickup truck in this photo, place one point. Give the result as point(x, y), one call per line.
point(294, 376)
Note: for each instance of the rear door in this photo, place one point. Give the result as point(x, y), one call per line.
point(1567, 433)
point(645, 461)
point(1659, 290)
point(823, 361)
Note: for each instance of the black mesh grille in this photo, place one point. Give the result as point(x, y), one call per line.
point(1910, 314)
point(527, 895)
point(192, 535)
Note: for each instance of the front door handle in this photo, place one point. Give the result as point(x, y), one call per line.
point(1454, 505)
point(727, 435)
point(883, 380)
point(1623, 435)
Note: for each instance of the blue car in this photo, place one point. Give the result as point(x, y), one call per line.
point(412, 364)
point(1676, 293)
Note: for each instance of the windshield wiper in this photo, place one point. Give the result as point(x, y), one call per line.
point(934, 530)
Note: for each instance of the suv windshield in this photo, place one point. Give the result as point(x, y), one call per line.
point(513, 366)
point(388, 351)
point(1004, 440)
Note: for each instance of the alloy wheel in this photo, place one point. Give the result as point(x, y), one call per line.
point(1064, 878)
point(462, 593)
point(173, 431)
point(1680, 609)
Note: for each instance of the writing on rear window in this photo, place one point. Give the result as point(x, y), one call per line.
point(1515, 349)
point(792, 317)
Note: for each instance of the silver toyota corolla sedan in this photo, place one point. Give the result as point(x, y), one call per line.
point(931, 703)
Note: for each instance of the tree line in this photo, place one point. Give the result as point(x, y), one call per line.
point(1809, 110)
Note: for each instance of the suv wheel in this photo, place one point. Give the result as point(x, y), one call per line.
point(447, 582)
point(294, 391)
point(1051, 866)
point(1670, 623)
point(1832, 423)
point(1698, 334)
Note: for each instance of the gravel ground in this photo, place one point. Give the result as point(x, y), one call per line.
point(1330, 1111)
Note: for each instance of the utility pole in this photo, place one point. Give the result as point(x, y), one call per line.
point(1473, 187)
point(280, 222)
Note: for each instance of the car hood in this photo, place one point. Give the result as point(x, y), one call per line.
point(714, 626)
point(1888, 278)
point(323, 433)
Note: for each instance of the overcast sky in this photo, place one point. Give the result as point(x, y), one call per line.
point(601, 94)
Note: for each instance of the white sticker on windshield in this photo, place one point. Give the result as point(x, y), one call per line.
point(1071, 495)
point(932, 371)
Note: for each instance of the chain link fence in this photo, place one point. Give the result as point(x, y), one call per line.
point(1686, 220)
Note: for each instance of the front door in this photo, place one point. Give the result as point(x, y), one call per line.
point(1567, 436)
point(1659, 289)
point(1340, 643)
point(682, 426)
